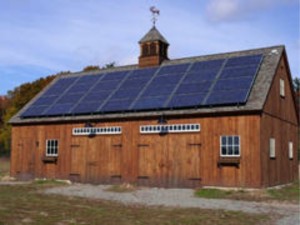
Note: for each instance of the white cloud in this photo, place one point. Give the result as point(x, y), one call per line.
point(219, 10)
point(227, 10)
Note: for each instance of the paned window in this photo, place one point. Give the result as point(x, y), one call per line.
point(230, 146)
point(174, 128)
point(97, 130)
point(52, 147)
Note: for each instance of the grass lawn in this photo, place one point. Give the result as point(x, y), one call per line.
point(288, 194)
point(4, 167)
point(25, 204)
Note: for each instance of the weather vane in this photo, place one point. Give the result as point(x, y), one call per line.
point(155, 14)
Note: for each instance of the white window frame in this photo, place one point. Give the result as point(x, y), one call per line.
point(52, 147)
point(291, 150)
point(282, 87)
point(83, 131)
point(227, 145)
point(272, 148)
point(170, 128)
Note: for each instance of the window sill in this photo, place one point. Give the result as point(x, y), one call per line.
point(229, 161)
point(49, 159)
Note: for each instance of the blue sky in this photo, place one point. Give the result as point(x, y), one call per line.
point(40, 38)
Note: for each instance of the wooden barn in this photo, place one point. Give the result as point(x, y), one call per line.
point(226, 120)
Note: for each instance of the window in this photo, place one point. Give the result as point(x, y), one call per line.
point(291, 155)
point(52, 147)
point(152, 49)
point(97, 131)
point(175, 128)
point(230, 146)
point(272, 148)
point(282, 91)
point(145, 50)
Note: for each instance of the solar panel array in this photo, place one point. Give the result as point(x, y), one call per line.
point(190, 85)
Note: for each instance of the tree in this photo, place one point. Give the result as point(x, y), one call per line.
point(109, 65)
point(90, 68)
point(17, 99)
point(296, 83)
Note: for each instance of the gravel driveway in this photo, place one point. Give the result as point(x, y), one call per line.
point(179, 198)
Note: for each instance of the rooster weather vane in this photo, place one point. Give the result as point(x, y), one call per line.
point(155, 14)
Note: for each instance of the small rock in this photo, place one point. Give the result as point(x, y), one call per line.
point(44, 214)
point(27, 220)
point(8, 178)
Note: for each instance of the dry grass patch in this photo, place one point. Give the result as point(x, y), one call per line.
point(289, 194)
point(25, 204)
point(122, 188)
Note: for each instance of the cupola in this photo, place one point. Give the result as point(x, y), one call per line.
point(153, 46)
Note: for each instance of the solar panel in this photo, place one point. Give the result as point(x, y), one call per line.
point(88, 79)
point(158, 90)
point(200, 76)
point(244, 60)
point(166, 79)
point(194, 87)
point(181, 68)
point(96, 96)
point(207, 65)
point(69, 98)
point(58, 109)
point(126, 93)
point(233, 84)
point(150, 103)
point(115, 76)
point(142, 73)
point(86, 107)
point(107, 85)
point(119, 105)
point(46, 100)
point(197, 84)
point(135, 82)
point(239, 72)
point(34, 111)
point(227, 97)
point(187, 100)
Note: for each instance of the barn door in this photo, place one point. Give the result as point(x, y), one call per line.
point(184, 160)
point(77, 169)
point(103, 160)
point(152, 160)
point(26, 159)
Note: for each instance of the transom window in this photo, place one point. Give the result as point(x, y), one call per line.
point(174, 128)
point(52, 147)
point(97, 130)
point(230, 146)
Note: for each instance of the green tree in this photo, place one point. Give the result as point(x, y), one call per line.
point(109, 65)
point(296, 83)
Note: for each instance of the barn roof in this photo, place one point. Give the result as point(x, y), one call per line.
point(220, 83)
